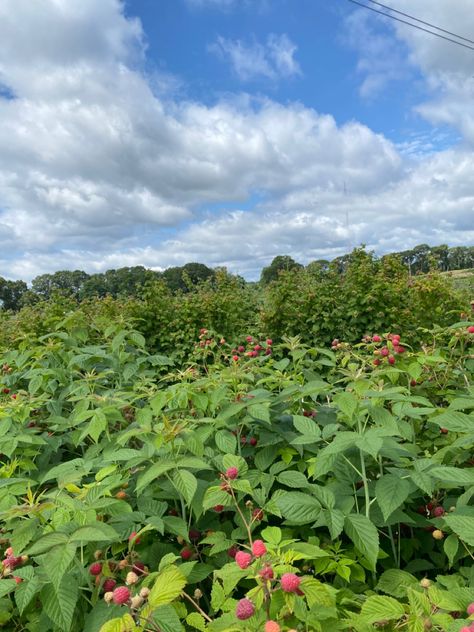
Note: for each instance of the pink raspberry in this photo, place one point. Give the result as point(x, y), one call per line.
point(391, 359)
point(186, 554)
point(121, 595)
point(240, 349)
point(133, 538)
point(376, 338)
point(269, 342)
point(249, 338)
point(470, 608)
point(384, 351)
point(243, 559)
point(470, 329)
point(266, 572)
point(465, 628)
point(245, 609)
point(95, 569)
point(438, 512)
point(259, 548)
point(109, 584)
point(290, 582)
point(272, 626)
point(232, 473)
point(235, 358)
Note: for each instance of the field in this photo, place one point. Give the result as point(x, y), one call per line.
point(248, 481)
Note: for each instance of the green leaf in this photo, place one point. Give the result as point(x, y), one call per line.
point(307, 427)
point(6, 586)
point(47, 542)
point(298, 508)
point(59, 602)
point(216, 496)
point(341, 442)
point(167, 619)
point(334, 520)
point(395, 582)
point(370, 442)
point(226, 441)
point(456, 475)
point(99, 532)
point(168, 585)
point(120, 624)
point(463, 527)
point(272, 535)
point(364, 535)
point(346, 402)
point(378, 608)
point(57, 561)
point(454, 421)
point(197, 621)
point(391, 492)
point(293, 478)
point(260, 411)
point(154, 472)
point(451, 545)
point(25, 593)
point(185, 483)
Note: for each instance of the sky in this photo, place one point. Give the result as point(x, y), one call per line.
point(160, 132)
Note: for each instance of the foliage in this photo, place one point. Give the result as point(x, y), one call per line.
point(347, 477)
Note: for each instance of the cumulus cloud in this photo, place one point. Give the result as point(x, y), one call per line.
point(253, 60)
point(98, 171)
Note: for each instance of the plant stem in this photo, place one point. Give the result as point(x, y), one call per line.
point(197, 606)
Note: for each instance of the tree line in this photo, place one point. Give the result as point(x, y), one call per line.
point(130, 281)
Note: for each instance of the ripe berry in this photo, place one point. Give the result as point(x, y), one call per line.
point(384, 351)
point(243, 559)
point(290, 582)
point(391, 359)
point(121, 595)
point(109, 584)
point(470, 609)
point(470, 329)
point(235, 358)
point(194, 535)
point(6, 391)
point(413, 382)
point(240, 349)
point(438, 534)
point(259, 548)
point(232, 473)
point(438, 512)
point(257, 348)
point(272, 626)
point(133, 538)
point(232, 552)
point(376, 362)
point(443, 430)
point(253, 441)
point(399, 349)
point(18, 579)
point(186, 554)
point(139, 567)
point(95, 569)
point(219, 508)
point(244, 610)
point(249, 338)
point(266, 573)
point(376, 338)
point(269, 342)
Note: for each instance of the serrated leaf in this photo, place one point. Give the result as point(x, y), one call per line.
point(100, 532)
point(463, 527)
point(216, 496)
point(346, 402)
point(450, 546)
point(298, 508)
point(364, 535)
point(197, 621)
point(120, 624)
point(185, 483)
point(378, 608)
point(57, 561)
point(395, 582)
point(334, 519)
point(226, 441)
point(292, 478)
point(6, 586)
point(167, 619)
point(307, 427)
point(25, 593)
point(454, 421)
point(47, 542)
point(456, 475)
point(168, 585)
point(59, 602)
point(391, 492)
point(154, 472)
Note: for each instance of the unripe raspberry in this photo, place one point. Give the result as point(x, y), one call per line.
point(109, 584)
point(97, 555)
point(109, 597)
point(18, 579)
point(290, 582)
point(95, 569)
point(243, 559)
point(136, 602)
point(245, 609)
point(259, 548)
point(123, 563)
point(438, 534)
point(121, 595)
point(232, 473)
point(9, 552)
point(438, 512)
point(144, 592)
point(266, 573)
point(272, 626)
point(131, 578)
point(197, 594)
point(257, 514)
point(425, 582)
point(470, 609)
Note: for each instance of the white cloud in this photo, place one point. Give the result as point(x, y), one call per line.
point(253, 60)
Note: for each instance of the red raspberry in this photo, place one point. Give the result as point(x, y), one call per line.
point(253, 441)
point(186, 554)
point(266, 572)
point(18, 580)
point(438, 512)
point(249, 338)
point(12, 562)
point(413, 382)
point(243, 559)
point(245, 609)
point(95, 569)
point(257, 348)
point(232, 552)
point(376, 338)
point(138, 567)
point(268, 352)
point(133, 538)
point(232, 473)
point(121, 595)
point(240, 349)
point(272, 626)
point(391, 359)
point(235, 358)
point(470, 329)
point(290, 582)
point(269, 342)
point(384, 351)
point(219, 508)
point(259, 548)
point(109, 584)
point(6, 391)
point(194, 535)
point(376, 362)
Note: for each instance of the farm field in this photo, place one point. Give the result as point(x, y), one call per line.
point(257, 485)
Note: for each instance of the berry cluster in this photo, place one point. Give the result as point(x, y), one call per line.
point(252, 348)
point(391, 345)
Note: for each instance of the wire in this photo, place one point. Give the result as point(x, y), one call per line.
point(421, 21)
point(420, 28)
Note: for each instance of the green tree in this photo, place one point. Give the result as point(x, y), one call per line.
point(281, 263)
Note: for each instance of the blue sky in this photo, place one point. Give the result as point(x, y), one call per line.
point(155, 133)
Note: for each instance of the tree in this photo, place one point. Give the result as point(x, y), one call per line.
point(183, 278)
point(11, 293)
point(64, 281)
point(281, 263)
